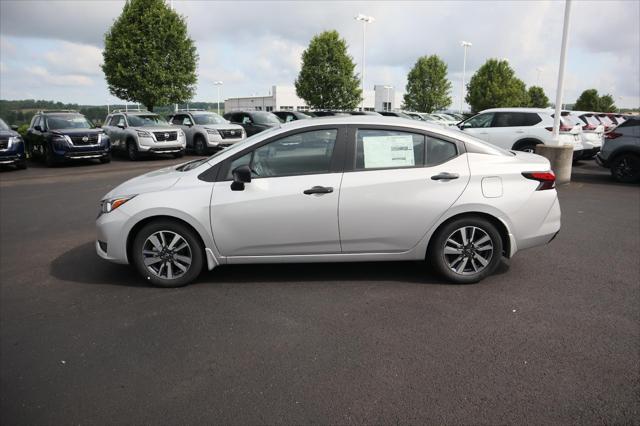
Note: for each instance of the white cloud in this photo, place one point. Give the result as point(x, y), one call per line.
point(59, 79)
point(76, 58)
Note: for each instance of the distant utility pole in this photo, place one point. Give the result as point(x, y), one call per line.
point(465, 45)
point(365, 20)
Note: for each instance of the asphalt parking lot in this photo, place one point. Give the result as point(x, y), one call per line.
point(553, 337)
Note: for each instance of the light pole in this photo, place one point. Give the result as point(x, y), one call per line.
point(218, 83)
point(539, 70)
point(365, 20)
point(563, 60)
point(388, 100)
point(465, 45)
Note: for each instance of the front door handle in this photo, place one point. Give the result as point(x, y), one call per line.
point(445, 176)
point(318, 190)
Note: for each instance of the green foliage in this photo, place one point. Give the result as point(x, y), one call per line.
point(427, 85)
point(148, 55)
point(22, 129)
point(607, 104)
point(495, 85)
point(537, 97)
point(589, 100)
point(327, 79)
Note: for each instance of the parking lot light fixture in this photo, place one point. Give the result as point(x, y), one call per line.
point(365, 20)
point(465, 45)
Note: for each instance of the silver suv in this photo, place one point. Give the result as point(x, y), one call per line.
point(206, 130)
point(143, 132)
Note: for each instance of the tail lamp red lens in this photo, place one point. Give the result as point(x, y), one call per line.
point(612, 135)
point(563, 128)
point(547, 180)
point(588, 127)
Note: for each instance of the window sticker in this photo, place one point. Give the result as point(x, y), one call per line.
point(388, 151)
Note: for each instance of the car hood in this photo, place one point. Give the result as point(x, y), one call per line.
point(156, 129)
point(227, 126)
point(156, 180)
point(8, 133)
point(77, 132)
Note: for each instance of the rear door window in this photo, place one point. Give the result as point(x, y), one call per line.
point(479, 121)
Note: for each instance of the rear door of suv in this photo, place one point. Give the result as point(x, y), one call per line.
point(510, 127)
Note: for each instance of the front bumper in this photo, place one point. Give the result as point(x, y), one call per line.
point(111, 239)
point(11, 158)
point(215, 141)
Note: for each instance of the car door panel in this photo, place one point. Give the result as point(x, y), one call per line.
point(273, 216)
point(391, 210)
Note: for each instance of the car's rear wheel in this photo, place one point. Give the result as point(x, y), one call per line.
point(200, 146)
point(168, 253)
point(466, 250)
point(626, 168)
point(526, 146)
point(132, 151)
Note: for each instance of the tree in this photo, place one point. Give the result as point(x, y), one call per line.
point(495, 85)
point(537, 97)
point(327, 79)
point(589, 100)
point(607, 104)
point(427, 85)
point(148, 55)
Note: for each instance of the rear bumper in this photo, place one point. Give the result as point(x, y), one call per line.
point(601, 162)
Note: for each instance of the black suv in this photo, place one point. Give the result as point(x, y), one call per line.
point(11, 147)
point(59, 136)
point(288, 116)
point(253, 121)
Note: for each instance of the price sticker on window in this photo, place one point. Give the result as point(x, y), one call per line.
point(388, 151)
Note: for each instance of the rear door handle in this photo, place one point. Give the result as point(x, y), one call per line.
point(318, 190)
point(445, 176)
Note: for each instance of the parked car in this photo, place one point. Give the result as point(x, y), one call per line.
point(395, 114)
point(287, 116)
point(521, 129)
point(353, 188)
point(329, 113)
point(253, 121)
point(206, 130)
point(66, 135)
point(449, 120)
point(414, 115)
point(608, 123)
point(12, 150)
point(363, 113)
point(621, 151)
point(140, 133)
point(592, 131)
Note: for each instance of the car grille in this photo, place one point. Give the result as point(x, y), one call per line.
point(230, 133)
point(84, 140)
point(4, 143)
point(166, 136)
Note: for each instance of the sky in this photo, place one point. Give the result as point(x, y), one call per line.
point(52, 49)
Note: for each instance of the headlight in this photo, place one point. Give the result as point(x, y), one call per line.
point(143, 133)
point(180, 134)
point(212, 132)
point(13, 140)
point(61, 141)
point(107, 206)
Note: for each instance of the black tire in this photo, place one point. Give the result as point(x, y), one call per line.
point(625, 168)
point(442, 262)
point(132, 151)
point(22, 164)
point(106, 159)
point(49, 160)
point(526, 146)
point(196, 252)
point(200, 146)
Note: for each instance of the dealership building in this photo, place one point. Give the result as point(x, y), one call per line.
point(284, 98)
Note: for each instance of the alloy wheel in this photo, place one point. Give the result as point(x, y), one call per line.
point(626, 168)
point(167, 255)
point(468, 250)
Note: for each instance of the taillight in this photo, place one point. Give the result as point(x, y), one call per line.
point(612, 135)
point(589, 127)
point(547, 179)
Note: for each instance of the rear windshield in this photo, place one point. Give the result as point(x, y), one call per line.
point(68, 121)
point(146, 121)
point(265, 118)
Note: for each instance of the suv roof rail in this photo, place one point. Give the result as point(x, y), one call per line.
point(130, 110)
point(189, 109)
point(46, 111)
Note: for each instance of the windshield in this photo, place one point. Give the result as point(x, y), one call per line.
point(265, 118)
point(68, 121)
point(209, 118)
point(151, 120)
point(3, 125)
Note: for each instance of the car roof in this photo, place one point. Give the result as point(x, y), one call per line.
point(518, 109)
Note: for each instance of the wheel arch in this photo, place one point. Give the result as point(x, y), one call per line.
point(525, 141)
point(499, 224)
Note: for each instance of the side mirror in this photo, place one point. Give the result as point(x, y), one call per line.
point(14, 127)
point(121, 126)
point(241, 175)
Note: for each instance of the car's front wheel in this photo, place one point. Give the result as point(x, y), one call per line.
point(168, 253)
point(132, 151)
point(626, 168)
point(200, 146)
point(466, 250)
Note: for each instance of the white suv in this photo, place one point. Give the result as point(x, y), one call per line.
point(521, 129)
point(592, 131)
